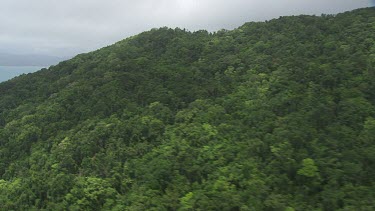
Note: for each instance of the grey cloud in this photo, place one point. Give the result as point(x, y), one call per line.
point(63, 28)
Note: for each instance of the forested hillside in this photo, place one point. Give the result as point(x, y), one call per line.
point(275, 115)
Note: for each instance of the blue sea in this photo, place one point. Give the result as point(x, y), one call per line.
point(8, 72)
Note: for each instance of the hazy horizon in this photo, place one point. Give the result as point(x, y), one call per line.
point(9, 72)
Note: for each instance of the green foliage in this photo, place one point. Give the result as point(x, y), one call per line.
point(90, 194)
point(309, 169)
point(275, 115)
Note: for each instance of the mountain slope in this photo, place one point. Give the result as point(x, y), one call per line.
point(275, 115)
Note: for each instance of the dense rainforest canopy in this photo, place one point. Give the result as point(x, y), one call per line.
point(275, 115)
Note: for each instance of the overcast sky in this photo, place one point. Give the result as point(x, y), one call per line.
point(68, 27)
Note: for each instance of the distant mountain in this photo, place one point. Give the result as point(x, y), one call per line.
point(275, 115)
point(28, 60)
